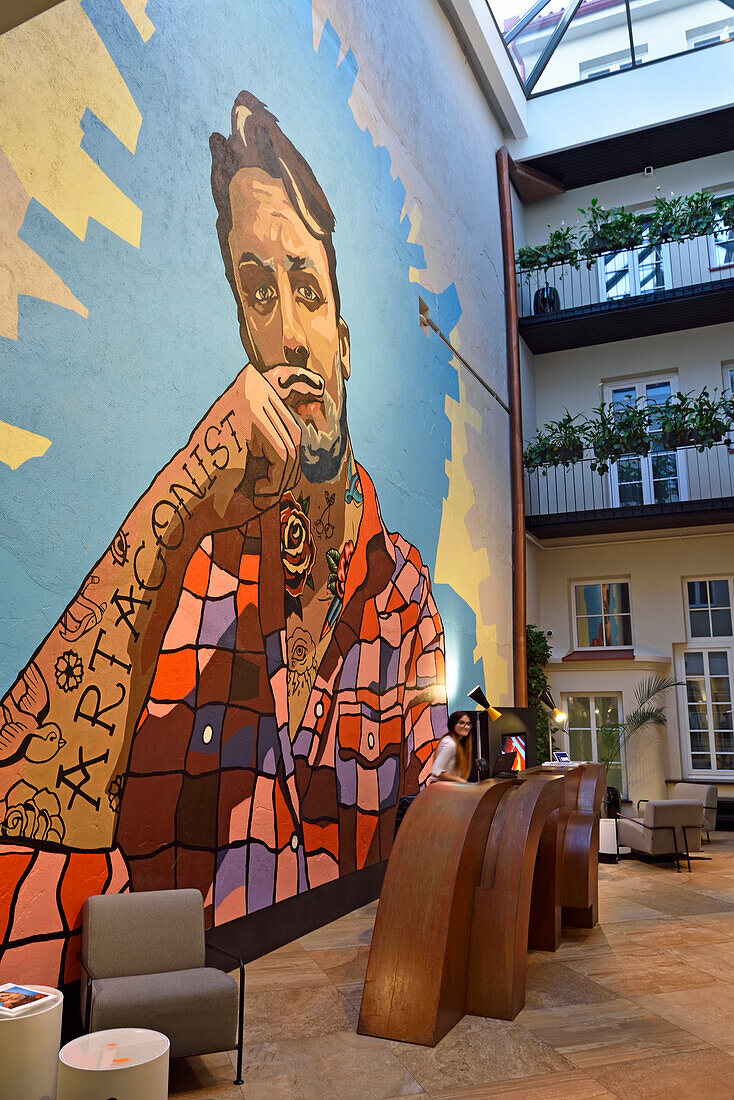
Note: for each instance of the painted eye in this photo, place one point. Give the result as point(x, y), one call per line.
point(309, 294)
point(263, 294)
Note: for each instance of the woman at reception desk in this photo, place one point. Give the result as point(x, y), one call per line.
point(452, 759)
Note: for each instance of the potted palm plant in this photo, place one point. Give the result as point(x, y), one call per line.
point(614, 737)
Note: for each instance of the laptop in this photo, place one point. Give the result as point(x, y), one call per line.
point(562, 758)
point(503, 765)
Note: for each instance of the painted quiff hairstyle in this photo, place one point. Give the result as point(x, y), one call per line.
point(257, 141)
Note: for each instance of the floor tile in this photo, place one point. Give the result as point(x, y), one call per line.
point(591, 1035)
point(342, 965)
point(476, 1052)
point(551, 983)
point(212, 1075)
point(347, 1066)
point(708, 1073)
point(625, 973)
point(716, 959)
point(570, 1085)
point(296, 1012)
point(614, 909)
point(707, 1011)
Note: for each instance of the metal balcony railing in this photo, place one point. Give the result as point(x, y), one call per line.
point(643, 274)
point(686, 482)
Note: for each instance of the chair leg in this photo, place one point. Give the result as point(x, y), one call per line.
point(675, 848)
point(688, 854)
point(88, 1007)
point(240, 1025)
point(708, 836)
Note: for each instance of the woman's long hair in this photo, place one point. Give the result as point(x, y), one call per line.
point(464, 745)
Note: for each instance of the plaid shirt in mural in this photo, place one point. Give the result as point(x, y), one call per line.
point(217, 796)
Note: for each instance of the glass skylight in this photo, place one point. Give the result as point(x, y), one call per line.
point(556, 43)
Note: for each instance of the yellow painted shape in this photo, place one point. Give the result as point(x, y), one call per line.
point(458, 563)
point(21, 270)
point(136, 10)
point(17, 445)
point(53, 68)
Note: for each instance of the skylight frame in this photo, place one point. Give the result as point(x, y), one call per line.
point(508, 37)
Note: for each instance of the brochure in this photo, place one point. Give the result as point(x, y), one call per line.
point(15, 998)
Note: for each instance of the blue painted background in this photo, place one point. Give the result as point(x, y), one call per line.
point(120, 392)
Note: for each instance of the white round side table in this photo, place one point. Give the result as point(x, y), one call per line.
point(127, 1063)
point(29, 1048)
point(608, 843)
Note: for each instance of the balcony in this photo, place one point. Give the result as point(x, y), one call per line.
point(636, 292)
point(682, 488)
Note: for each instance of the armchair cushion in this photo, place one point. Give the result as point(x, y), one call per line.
point(196, 1009)
point(124, 934)
point(708, 794)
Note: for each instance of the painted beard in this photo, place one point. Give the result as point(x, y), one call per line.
point(323, 450)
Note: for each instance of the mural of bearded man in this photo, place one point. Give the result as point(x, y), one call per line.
point(265, 678)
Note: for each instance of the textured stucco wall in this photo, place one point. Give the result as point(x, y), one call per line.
point(119, 332)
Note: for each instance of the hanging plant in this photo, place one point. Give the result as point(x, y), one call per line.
point(617, 431)
point(561, 443)
point(669, 219)
point(677, 218)
point(560, 248)
point(701, 214)
point(611, 230)
point(710, 420)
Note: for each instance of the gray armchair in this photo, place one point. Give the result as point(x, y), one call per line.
point(668, 828)
point(707, 794)
point(143, 955)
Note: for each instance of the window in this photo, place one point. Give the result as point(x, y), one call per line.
point(611, 63)
point(709, 609)
point(721, 246)
point(634, 271)
point(603, 616)
point(709, 709)
point(657, 478)
point(709, 36)
point(593, 732)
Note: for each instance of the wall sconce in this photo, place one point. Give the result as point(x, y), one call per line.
point(548, 701)
point(477, 696)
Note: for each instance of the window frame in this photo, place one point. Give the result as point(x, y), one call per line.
point(632, 255)
point(574, 617)
point(679, 653)
point(712, 244)
point(711, 639)
point(640, 383)
point(594, 695)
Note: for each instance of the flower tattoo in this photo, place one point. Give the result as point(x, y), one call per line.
point(114, 792)
point(297, 549)
point(69, 671)
point(301, 661)
point(33, 814)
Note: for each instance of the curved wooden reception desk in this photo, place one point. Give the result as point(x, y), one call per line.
point(477, 873)
point(578, 841)
point(461, 850)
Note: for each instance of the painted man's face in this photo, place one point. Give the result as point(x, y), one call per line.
point(296, 338)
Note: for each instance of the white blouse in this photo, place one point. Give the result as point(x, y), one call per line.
point(446, 758)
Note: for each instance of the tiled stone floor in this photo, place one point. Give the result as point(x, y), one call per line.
point(640, 1006)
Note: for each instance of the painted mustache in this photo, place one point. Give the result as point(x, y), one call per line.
point(290, 381)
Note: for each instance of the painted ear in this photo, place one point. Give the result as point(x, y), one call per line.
point(344, 348)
